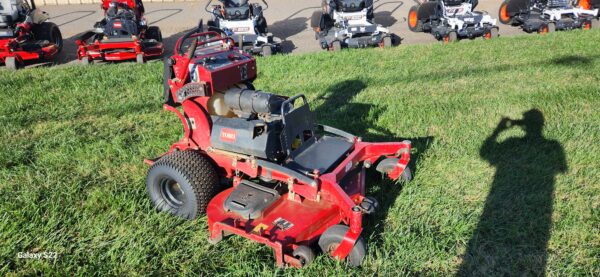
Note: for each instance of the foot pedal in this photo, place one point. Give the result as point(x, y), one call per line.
point(249, 199)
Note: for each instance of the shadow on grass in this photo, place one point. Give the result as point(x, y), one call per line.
point(513, 231)
point(338, 110)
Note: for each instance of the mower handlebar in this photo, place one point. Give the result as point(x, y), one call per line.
point(197, 33)
point(192, 49)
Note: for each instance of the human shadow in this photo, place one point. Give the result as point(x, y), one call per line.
point(339, 110)
point(513, 231)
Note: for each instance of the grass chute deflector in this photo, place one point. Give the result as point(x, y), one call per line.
point(121, 35)
point(26, 34)
point(257, 164)
point(549, 16)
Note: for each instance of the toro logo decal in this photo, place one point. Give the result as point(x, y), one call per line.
point(228, 135)
point(117, 25)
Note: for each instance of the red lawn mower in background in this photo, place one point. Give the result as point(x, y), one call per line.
point(25, 34)
point(122, 35)
point(257, 164)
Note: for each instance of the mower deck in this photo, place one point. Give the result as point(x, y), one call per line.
point(119, 49)
point(38, 50)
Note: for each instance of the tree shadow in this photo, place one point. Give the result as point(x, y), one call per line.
point(571, 60)
point(339, 111)
point(169, 13)
point(512, 234)
point(84, 15)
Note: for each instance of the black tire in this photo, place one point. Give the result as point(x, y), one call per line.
point(50, 32)
point(12, 63)
point(332, 237)
point(428, 10)
point(336, 46)
point(154, 33)
point(315, 19)
point(168, 74)
point(266, 50)
point(414, 24)
point(182, 183)
point(304, 254)
point(504, 16)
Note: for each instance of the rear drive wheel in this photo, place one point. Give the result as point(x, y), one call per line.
point(333, 236)
point(491, 33)
point(266, 50)
point(304, 254)
point(336, 46)
point(503, 14)
point(154, 33)
point(450, 37)
point(414, 24)
point(182, 183)
point(12, 63)
point(50, 32)
point(139, 58)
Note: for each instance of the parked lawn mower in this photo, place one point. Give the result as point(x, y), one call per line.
point(25, 34)
point(122, 35)
point(246, 24)
point(451, 20)
point(545, 16)
point(349, 23)
point(257, 164)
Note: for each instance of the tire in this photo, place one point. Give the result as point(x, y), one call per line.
point(414, 24)
point(266, 50)
point(167, 75)
point(450, 37)
point(336, 46)
point(12, 63)
point(315, 19)
point(332, 237)
point(304, 254)
point(503, 14)
point(139, 58)
point(182, 183)
point(84, 61)
point(154, 32)
point(50, 32)
point(491, 34)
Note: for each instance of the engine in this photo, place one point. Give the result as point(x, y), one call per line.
point(248, 122)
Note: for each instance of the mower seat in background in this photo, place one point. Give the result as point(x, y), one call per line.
point(322, 155)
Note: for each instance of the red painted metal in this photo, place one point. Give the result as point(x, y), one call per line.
point(12, 46)
point(311, 205)
point(119, 51)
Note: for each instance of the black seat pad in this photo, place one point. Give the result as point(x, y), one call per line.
point(323, 155)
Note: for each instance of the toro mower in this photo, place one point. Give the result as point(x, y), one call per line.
point(545, 16)
point(122, 35)
point(349, 23)
point(246, 24)
point(257, 164)
point(25, 34)
point(451, 20)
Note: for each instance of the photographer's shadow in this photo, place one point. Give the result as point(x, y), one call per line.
point(513, 231)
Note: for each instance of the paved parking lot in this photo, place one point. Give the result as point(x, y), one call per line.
point(287, 19)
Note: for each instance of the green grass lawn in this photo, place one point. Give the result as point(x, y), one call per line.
point(73, 140)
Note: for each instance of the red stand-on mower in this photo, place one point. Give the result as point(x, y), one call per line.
point(257, 164)
point(122, 35)
point(25, 34)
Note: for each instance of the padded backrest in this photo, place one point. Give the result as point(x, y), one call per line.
point(242, 12)
point(120, 28)
point(350, 5)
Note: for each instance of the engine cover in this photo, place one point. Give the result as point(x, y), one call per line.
point(250, 137)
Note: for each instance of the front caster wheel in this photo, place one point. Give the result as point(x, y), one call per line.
point(139, 58)
point(12, 63)
point(304, 254)
point(333, 236)
point(336, 46)
point(266, 50)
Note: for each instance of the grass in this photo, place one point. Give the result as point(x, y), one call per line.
point(73, 140)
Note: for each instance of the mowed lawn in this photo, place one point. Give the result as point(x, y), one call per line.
point(524, 202)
